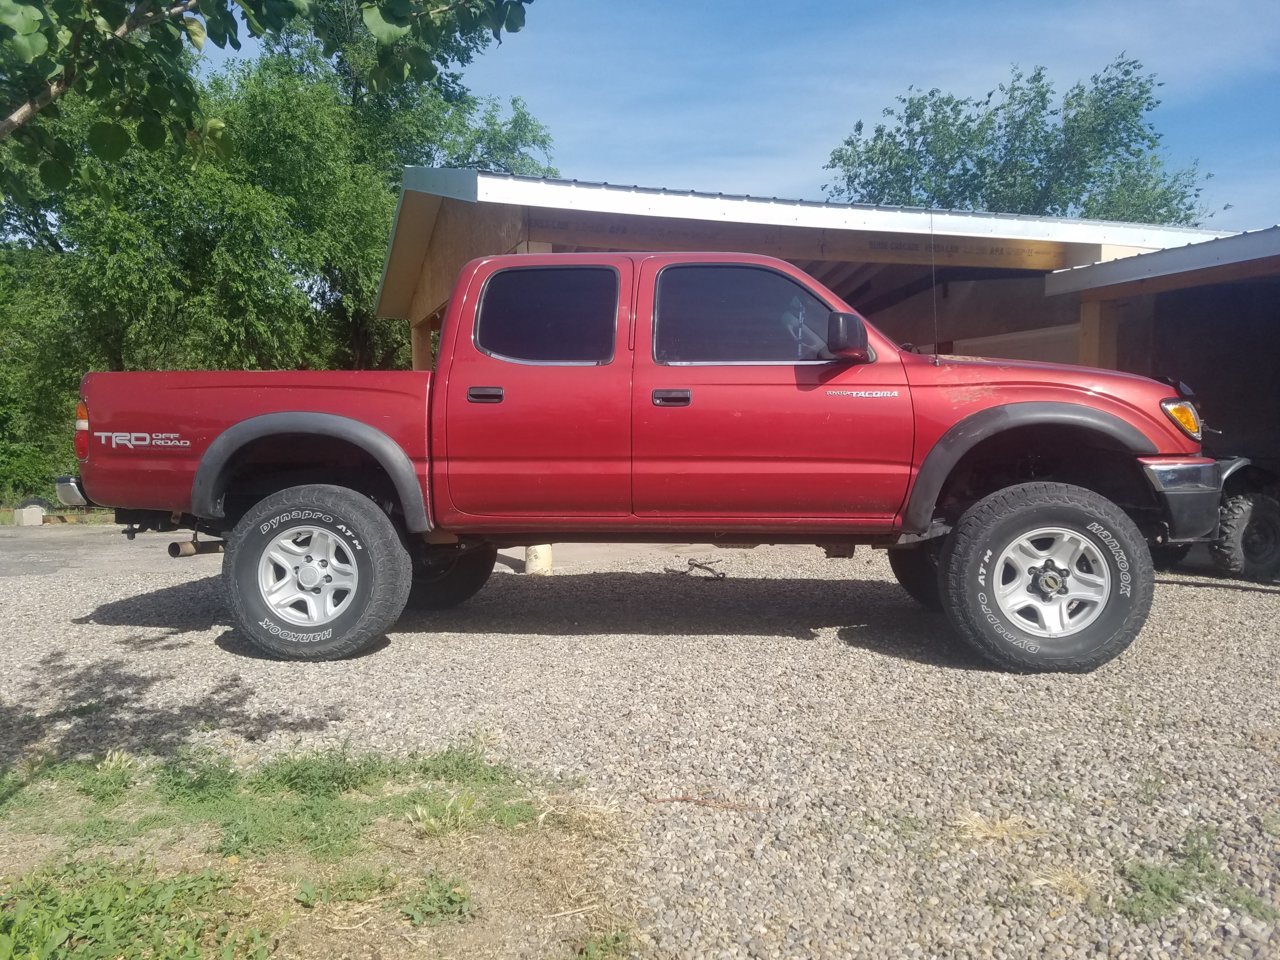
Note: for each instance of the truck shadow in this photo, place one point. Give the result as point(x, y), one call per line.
point(87, 709)
point(872, 615)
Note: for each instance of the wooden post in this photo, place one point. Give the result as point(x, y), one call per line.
point(1099, 334)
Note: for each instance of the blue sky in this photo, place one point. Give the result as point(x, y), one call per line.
point(748, 97)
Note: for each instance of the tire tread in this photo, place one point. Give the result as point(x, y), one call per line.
point(386, 552)
point(970, 530)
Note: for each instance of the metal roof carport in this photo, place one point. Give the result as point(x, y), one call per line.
point(981, 273)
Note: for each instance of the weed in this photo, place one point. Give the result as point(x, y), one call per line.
point(355, 886)
point(103, 909)
point(604, 946)
point(462, 765)
point(456, 813)
point(327, 773)
point(1158, 889)
point(196, 777)
point(363, 884)
point(438, 900)
point(1270, 821)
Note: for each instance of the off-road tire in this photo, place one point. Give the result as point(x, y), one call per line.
point(1248, 543)
point(917, 571)
point(455, 583)
point(973, 551)
point(1167, 556)
point(371, 546)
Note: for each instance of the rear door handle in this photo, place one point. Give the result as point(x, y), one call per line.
point(484, 394)
point(672, 398)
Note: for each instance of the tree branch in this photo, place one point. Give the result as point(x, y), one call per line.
point(28, 111)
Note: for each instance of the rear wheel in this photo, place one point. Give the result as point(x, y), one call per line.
point(1248, 543)
point(315, 572)
point(917, 571)
point(1047, 577)
point(445, 578)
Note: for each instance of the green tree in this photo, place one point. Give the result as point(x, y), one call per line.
point(267, 256)
point(1095, 153)
point(130, 57)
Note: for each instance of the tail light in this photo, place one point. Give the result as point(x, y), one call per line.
point(82, 431)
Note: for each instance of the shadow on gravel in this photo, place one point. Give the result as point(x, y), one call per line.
point(1223, 584)
point(185, 608)
point(872, 615)
point(233, 642)
point(101, 706)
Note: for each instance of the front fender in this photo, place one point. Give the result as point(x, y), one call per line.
point(971, 431)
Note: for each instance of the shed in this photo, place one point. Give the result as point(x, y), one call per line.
point(975, 278)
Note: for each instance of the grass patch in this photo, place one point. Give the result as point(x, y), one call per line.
point(104, 909)
point(312, 845)
point(1158, 889)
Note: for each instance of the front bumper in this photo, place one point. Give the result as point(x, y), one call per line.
point(70, 492)
point(1190, 491)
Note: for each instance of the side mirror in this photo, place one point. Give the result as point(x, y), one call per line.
point(847, 338)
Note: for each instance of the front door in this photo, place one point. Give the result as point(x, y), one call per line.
point(739, 414)
point(538, 394)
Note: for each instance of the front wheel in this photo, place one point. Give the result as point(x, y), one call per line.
point(1047, 577)
point(315, 572)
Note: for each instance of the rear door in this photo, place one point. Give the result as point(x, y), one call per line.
point(538, 393)
point(740, 415)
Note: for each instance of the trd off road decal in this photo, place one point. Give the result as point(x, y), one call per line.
point(132, 441)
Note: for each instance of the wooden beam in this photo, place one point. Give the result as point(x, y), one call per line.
point(1099, 334)
point(611, 231)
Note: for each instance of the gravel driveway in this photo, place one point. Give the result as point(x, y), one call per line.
point(812, 769)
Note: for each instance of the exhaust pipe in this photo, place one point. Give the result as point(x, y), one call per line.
point(190, 548)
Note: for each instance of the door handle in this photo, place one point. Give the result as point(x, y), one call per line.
point(672, 398)
point(484, 394)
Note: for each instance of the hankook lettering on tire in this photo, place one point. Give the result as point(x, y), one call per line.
point(1117, 551)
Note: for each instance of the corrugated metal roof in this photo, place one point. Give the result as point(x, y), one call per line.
point(1202, 259)
point(479, 187)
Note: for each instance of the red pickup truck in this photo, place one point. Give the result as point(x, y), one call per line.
point(678, 397)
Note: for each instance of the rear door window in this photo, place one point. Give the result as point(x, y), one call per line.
point(551, 315)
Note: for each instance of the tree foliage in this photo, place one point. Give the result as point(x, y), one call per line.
point(267, 255)
point(131, 58)
point(1094, 153)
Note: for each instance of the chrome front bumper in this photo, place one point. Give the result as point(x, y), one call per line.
point(70, 492)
